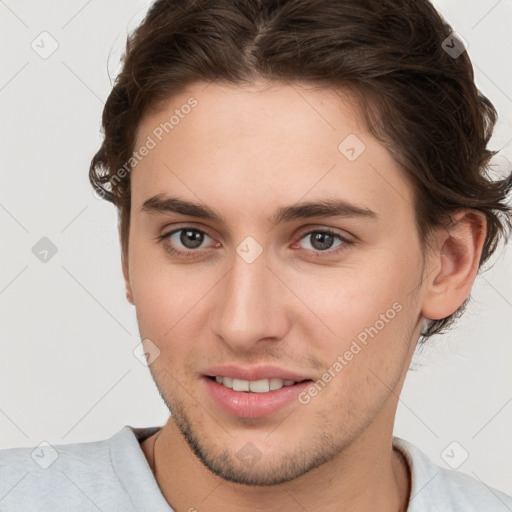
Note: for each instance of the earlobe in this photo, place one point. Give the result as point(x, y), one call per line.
point(453, 264)
point(128, 288)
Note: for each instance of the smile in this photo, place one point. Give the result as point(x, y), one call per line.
point(253, 398)
point(254, 386)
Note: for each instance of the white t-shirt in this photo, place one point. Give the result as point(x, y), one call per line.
point(113, 476)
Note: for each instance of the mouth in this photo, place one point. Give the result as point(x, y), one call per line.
point(255, 386)
point(253, 398)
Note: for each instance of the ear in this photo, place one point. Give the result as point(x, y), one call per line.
point(126, 275)
point(453, 263)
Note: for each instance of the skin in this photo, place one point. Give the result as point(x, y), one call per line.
point(245, 151)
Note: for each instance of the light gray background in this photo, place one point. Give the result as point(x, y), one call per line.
point(68, 373)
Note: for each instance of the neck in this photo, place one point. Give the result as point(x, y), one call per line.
point(367, 475)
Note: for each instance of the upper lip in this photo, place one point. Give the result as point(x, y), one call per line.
point(254, 373)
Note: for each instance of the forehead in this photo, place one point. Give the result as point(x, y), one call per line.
point(241, 145)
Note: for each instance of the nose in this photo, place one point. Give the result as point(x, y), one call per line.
point(251, 305)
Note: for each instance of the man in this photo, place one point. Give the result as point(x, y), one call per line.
point(302, 197)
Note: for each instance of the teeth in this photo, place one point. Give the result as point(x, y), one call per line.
point(259, 386)
point(240, 385)
point(254, 386)
point(275, 384)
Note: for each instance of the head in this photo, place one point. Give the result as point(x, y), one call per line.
point(249, 110)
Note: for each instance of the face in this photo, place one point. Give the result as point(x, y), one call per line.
point(331, 302)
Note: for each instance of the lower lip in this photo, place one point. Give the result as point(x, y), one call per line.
point(253, 405)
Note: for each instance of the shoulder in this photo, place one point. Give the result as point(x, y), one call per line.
point(438, 489)
point(67, 477)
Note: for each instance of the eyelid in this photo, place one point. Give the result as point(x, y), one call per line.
point(327, 229)
point(301, 232)
point(168, 234)
point(170, 230)
point(345, 242)
point(305, 230)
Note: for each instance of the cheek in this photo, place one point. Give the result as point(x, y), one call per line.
point(365, 313)
point(365, 359)
point(168, 298)
point(356, 302)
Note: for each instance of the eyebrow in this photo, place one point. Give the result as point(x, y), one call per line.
point(329, 207)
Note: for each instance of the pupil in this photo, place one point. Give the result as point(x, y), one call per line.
point(319, 240)
point(321, 237)
point(191, 237)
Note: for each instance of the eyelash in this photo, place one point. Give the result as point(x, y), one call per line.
point(314, 253)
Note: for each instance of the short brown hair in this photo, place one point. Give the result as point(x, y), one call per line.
point(420, 101)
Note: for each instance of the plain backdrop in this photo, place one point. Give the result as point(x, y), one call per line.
point(68, 372)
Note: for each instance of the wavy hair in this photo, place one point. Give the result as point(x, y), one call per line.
point(415, 97)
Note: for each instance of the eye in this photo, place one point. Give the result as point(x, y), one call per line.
point(184, 241)
point(322, 240)
point(188, 242)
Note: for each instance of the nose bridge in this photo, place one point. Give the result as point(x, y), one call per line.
point(249, 307)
